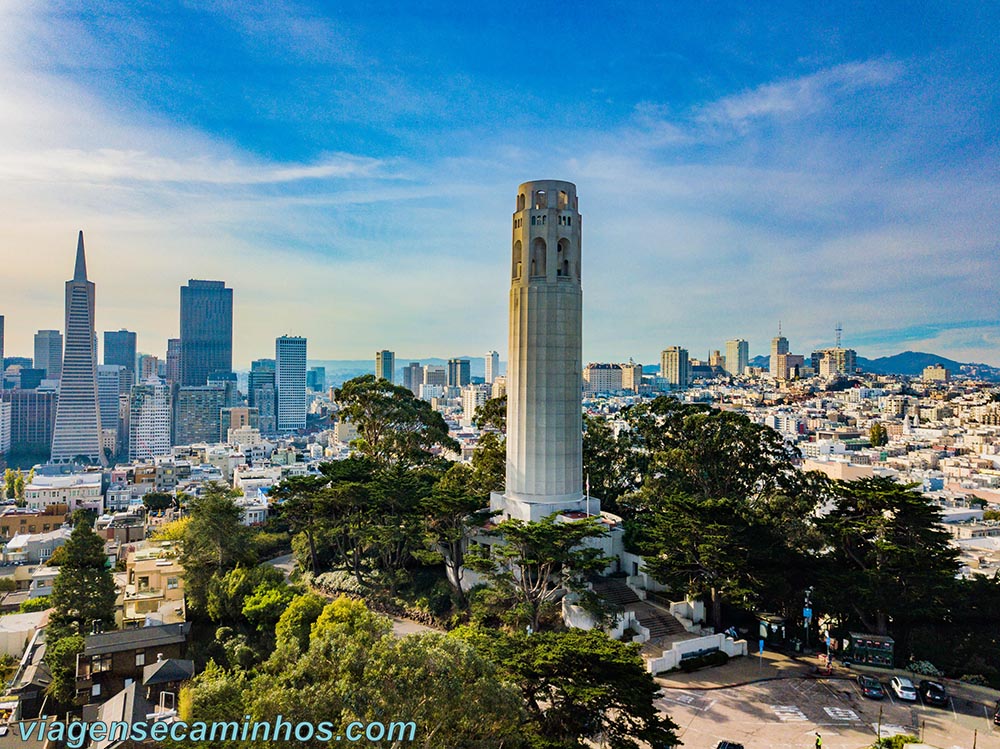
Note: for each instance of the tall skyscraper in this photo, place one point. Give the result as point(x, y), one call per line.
point(206, 330)
point(290, 381)
point(459, 373)
point(435, 375)
point(120, 349)
point(492, 366)
point(544, 416)
point(261, 393)
point(674, 366)
point(77, 433)
point(385, 365)
point(316, 379)
point(173, 361)
point(737, 356)
point(108, 391)
point(149, 420)
point(779, 346)
point(413, 377)
point(49, 353)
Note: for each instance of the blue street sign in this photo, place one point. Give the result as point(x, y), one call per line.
point(828, 642)
point(762, 647)
point(807, 613)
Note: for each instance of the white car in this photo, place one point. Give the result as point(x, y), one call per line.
point(903, 688)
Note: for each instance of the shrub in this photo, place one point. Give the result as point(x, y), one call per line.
point(924, 668)
point(715, 658)
point(899, 741)
point(977, 679)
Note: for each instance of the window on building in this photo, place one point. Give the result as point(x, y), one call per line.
point(95, 691)
point(140, 659)
point(171, 583)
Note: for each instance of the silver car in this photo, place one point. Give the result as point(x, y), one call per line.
point(903, 688)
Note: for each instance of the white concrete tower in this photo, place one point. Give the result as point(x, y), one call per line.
point(544, 421)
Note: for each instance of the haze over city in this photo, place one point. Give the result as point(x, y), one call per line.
point(352, 179)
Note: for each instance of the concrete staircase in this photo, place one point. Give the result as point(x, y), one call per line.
point(616, 592)
point(660, 624)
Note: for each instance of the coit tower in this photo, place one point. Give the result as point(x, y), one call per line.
point(544, 421)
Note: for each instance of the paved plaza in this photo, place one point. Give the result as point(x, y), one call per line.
point(788, 709)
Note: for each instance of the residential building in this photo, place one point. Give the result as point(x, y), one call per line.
point(674, 368)
point(73, 491)
point(198, 413)
point(385, 365)
point(77, 433)
point(602, 378)
point(737, 356)
point(49, 353)
point(631, 376)
point(936, 373)
point(34, 548)
point(473, 396)
point(206, 327)
point(113, 660)
point(290, 380)
point(154, 586)
point(237, 418)
point(150, 416)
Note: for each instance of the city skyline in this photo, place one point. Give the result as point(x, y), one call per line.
point(843, 173)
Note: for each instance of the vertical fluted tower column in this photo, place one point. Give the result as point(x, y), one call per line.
point(544, 421)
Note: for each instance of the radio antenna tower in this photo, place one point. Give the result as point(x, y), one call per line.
point(839, 330)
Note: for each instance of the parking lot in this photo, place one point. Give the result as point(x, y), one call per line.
point(788, 712)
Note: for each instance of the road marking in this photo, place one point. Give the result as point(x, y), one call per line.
point(787, 713)
point(890, 729)
point(695, 702)
point(841, 713)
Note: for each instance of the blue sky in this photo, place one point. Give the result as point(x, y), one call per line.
point(350, 168)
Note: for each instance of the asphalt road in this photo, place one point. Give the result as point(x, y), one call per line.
point(788, 713)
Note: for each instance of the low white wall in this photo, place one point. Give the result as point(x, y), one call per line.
point(672, 658)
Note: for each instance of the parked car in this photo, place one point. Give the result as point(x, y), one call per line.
point(870, 687)
point(996, 713)
point(729, 745)
point(903, 688)
point(933, 693)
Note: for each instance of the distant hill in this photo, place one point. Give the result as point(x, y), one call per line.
point(908, 363)
point(911, 363)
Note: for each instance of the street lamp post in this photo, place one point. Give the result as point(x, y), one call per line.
point(807, 613)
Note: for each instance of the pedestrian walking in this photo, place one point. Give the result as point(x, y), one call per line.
point(819, 741)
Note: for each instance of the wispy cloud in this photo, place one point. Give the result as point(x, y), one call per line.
point(797, 97)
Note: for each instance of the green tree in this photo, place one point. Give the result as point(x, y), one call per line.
point(84, 590)
point(889, 565)
point(877, 435)
point(394, 427)
point(214, 542)
point(492, 415)
point(305, 505)
point(228, 592)
point(157, 501)
point(60, 657)
point(536, 563)
point(453, 512)
point(292, 629)
point(451, 693)
point(579, 687)
point(35, 604)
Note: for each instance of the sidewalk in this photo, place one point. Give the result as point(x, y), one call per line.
point(746, 670)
